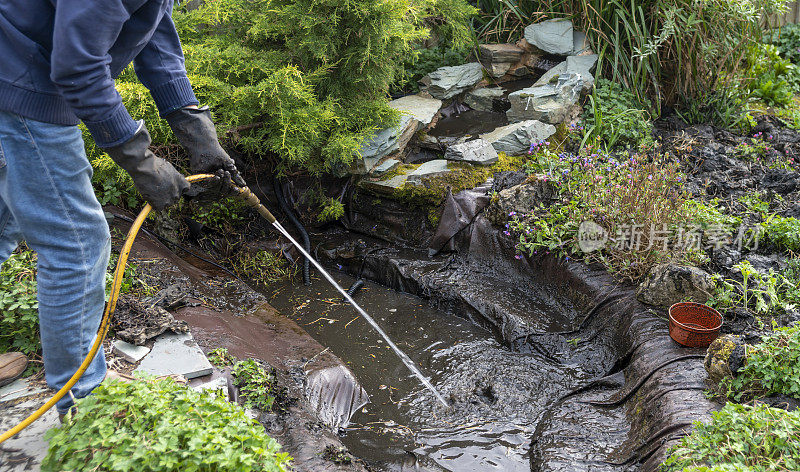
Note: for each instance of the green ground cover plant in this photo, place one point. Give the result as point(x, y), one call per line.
point(618, 193)
point(615, 117)
point(256, 384)
point(220, 357)
point(787, 40)
point(759, 292)
point(161, 426)
point(740, 438)
point(783, 232)
point(771, 78)
point(771, 367)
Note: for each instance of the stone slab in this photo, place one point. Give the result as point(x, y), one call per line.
point(447, 82)
point(386, 186)
point(552, 36)
point(129, 352)
point(552, 74)
point(176, 354)
point(583, 66)
point(213, 385)
point(500, 53)
point(25, 451)
point(420, 108)
point(17, 389)
point(551, 103)
point(482, 99)
point(386, 166)
point(432, 168)
point(385, 142)
point(516, 138)
point(478, 151)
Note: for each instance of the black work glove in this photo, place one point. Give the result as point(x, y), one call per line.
point(158, 182)
point(195, 130)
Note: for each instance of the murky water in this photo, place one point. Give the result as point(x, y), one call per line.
point(498, 396)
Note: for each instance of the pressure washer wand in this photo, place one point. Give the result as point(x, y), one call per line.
point(253, 201)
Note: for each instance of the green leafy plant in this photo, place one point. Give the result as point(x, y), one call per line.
point(616, 118)
point(772, 78)
point(771, 367)
point(19, 316)
point(160, 426)
point(331, 211)
point(255, 383)
point(220, 357)
point(787, 41)
point(725, 106)
point(740, 438)
point(265, 267)
point(782, 231)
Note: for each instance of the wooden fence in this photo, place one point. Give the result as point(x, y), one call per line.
point(792, 15)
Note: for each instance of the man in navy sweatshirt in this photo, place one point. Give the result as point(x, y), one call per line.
point(58, 61)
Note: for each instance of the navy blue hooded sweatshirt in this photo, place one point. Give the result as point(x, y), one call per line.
point(58, 60)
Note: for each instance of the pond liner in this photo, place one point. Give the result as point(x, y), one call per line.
point(617, 333)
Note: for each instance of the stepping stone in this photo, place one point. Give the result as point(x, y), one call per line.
point(386, 166)
point(515, 139)
point(477, 151)
point(447, 82)
point(26, 450)
point(17, 389)
point(176, 354)
point(432, 168)
point(482, 99)
point(130, 352)
point(552, 36)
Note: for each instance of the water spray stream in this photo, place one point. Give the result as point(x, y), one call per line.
point(402, 355)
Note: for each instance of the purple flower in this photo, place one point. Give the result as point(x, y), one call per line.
point(517, 257)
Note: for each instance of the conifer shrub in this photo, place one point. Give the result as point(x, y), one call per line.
point(302, 83)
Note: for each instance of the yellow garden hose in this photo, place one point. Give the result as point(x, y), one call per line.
point(119, 273)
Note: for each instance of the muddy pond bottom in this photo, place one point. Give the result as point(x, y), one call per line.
point(497, 395)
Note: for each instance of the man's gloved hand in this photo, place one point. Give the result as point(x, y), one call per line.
point(195, 130)
point(158, 182)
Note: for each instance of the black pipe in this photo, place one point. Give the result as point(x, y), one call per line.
point(355, 287)
point(296, 222)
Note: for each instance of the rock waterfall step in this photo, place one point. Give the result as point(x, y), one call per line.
point(478, 151)
point(516, 138)
point(447, 82)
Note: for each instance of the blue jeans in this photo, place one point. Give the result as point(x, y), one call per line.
point(47, 200)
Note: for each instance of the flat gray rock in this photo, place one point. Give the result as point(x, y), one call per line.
point(551, 103)
point(429, 169)
point(128, 351)
point(583, 66)
point(25, 451)
point(386, 166)
point(516, 138)
point(447, 82)
point(420, 108)
point(552, 74)
point(214, 385)
point(385, 142)
point(387, 186)
point(552, 36)
point(17, 389)
point(175, 354)
point(478, 151)
point(482, 99)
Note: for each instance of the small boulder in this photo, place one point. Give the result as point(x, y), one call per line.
point(477, 151)
point(724, 358)
point(497, 69)
point(429, 169)
point(521, 199)
point(671, 283)
point(516, 138)
point(447, 82)
point(483, 99)
point(583, 66)
point(552, 36)
point(422, 109)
